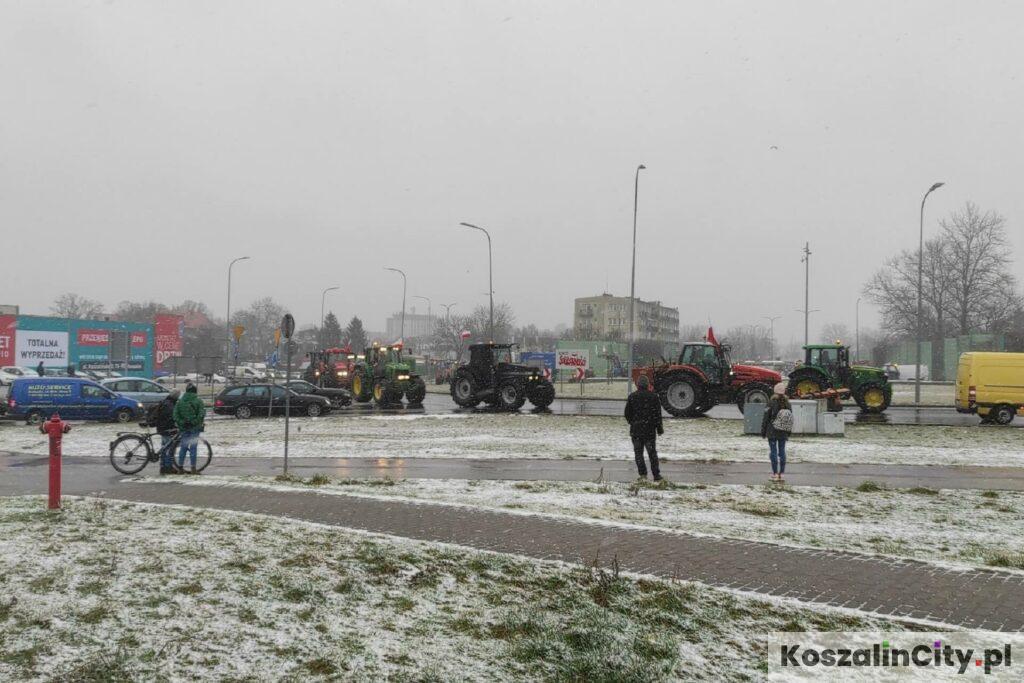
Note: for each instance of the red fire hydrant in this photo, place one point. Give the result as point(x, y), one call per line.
point(56, 428)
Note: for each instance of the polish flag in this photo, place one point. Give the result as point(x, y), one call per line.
point(465, 334)
point(710, 338)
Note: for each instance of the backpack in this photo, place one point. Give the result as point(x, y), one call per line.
point(783, 421)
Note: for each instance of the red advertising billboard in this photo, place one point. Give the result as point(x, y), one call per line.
point(138, 338)
point(88, 337)
point(8, 326)
point(168, 343)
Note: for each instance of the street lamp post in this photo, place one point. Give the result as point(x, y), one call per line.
point(430, 316)
point(323, 299)
point(771, 334)
point(227, 344)
point(447, 310)
point(490, 274)
point(404, 283)
point(920, 288)
point(632, 277)
point(856, 330)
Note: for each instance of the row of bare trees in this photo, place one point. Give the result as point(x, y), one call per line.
point(967, 282)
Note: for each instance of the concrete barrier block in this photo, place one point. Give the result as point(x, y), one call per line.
point(805, 417)
point(831, 424)
point(753, 414)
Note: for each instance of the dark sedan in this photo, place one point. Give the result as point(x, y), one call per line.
point(267, 399)
point(337, 396)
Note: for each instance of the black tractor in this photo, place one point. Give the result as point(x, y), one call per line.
point(492, 377)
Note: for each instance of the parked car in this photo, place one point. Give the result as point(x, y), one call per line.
point(337, 396)
point(245, 401)
point(35, 399)
point(10, 373)
point(145, 391)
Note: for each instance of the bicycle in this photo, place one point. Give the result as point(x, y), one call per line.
point(130, 452)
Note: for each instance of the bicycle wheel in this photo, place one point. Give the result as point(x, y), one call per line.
point(204, 454)
point(130, 453)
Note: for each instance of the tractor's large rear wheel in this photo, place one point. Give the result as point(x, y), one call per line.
point(511, 396)
point(681, 396)
point(873, 397)
point(755, 392)
point(464, 390)
point(361, 392)
point(806, 383)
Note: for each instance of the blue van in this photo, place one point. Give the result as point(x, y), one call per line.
point(35, 399)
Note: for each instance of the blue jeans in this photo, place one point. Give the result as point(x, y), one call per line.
point(166, 452)
point(190, 445)
point(777, 452)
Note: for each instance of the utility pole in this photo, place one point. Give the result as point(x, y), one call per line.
point(920, 289)
point(807, 292)
point(323, 299)
point(632, 278)
point(856, 333)
point(430, 319)
point(771, 334)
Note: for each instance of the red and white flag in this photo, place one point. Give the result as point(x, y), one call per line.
point(465, 334)
point(711, 337)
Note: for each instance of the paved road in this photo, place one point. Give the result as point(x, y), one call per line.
point(984, 599)
point(22, 474)
point(896, 415)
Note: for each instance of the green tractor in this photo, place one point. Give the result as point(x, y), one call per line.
point(827, 367)
point(383, 375)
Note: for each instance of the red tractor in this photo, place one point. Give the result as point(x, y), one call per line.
point(703, 377)
point(331, 368)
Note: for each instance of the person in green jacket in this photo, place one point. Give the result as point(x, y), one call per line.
point(189, 416)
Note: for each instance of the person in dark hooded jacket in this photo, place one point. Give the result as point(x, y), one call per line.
point(161, 418)
point(776, 436)
point(643, 413)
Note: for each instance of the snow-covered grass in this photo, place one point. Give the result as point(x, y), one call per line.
point(962, 526)
point(123, 591)
point(481, 435)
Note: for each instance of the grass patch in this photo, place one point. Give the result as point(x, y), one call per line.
point(1006, 559)
point(95, 615)
point(922, 491)
point(319, 480)
point(868, 486)
point(759, 509)
point(989, 494)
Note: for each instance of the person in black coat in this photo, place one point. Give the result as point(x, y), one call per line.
point(643, 413)
point(161, 417)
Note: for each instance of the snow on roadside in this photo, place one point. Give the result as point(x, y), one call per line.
point(136, 591)
point(551, 436)
point(960, 527)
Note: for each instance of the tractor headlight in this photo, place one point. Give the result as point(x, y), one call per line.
point(402, 377)
point(342, 373)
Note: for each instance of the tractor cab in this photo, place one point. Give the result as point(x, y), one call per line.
point(710, 359)
point(492, 375)
point(483, 356)
point(834, 359)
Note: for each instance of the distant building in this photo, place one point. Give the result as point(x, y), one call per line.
point(607, 317)
point(417, 326)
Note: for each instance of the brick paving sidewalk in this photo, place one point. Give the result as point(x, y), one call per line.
point(984, 599)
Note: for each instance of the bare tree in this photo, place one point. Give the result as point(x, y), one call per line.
point(984, 293)
point(71, 305)
point(260, 320)
point(967, 285)
point(504, 320)
point(833, 332)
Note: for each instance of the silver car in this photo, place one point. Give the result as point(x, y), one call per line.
point(145, 391)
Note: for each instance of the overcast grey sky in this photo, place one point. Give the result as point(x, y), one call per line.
point(145, 144)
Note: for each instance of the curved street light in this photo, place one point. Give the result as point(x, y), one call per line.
point(404, 284)
point(632, 277)
point(490, 274)
point(323, 298)
point(227, 342)
point(920, 287)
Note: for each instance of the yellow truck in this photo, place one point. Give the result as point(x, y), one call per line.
point(991, 385)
